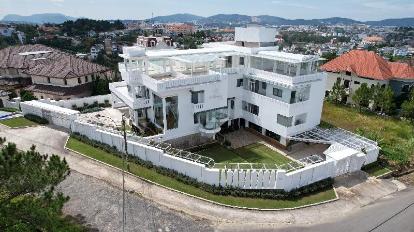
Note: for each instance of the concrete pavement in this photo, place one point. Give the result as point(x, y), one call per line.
point(355, 191)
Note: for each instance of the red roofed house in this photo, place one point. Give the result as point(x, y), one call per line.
point(361, 66)
point(47, 72)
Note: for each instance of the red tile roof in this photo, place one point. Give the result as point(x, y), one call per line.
point(369, 65)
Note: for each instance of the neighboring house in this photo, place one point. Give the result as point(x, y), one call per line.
point(6, 31)
point(95, 50)
point(361, 66)
point(201, 91)
point(47, 72)
point(373, 40)
point(152, 42)
point(180, 28)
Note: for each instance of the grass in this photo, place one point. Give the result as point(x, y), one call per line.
point(9, 109)
point(375, 169)
point(394, 134)
point(17, 122)
point(253, 153)
point(170, 182)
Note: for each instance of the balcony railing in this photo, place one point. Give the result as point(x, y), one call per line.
point(198, 107)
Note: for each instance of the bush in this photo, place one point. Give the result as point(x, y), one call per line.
point(275, 194)
point(36, 119)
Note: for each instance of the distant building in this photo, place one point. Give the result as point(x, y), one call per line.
point(6, 31)
point(180, 28)
point(373, 40)
point(361, 66)
point(47, 72)
point(162, 42)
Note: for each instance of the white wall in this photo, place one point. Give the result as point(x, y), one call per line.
point(255, 34)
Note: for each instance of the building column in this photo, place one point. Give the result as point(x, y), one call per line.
point(164, 114)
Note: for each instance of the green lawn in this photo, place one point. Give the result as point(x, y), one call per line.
point(9, 109)
point(17, 122)
point(395, 135)
point(152, 175)
point(375, 169)
point(253, 153)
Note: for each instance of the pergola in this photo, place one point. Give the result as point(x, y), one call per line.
point(338, 135)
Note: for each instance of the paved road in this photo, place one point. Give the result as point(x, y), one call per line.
point(355, 193)
point(392, 213)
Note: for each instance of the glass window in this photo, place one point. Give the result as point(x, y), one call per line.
point(172, 112)
point(241, 61)
point(264, 85)
point(277, 92)
point(239, 82)
point(254, 109)
point(284, 121)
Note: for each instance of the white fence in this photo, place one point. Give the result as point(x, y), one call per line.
point(242, 178)
point(79, 102)
point(14, 103)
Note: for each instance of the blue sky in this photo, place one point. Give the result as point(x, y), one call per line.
point(139, 9)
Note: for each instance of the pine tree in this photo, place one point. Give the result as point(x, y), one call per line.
point(362, 96)
point(407, 108)
point(337, 94)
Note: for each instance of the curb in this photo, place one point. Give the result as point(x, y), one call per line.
point(200, 198)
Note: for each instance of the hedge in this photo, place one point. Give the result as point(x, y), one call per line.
point(36, 119)
point(275, 194)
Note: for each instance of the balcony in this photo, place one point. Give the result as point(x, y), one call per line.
point(140, 103)
point(166, 81)
point(198, 107)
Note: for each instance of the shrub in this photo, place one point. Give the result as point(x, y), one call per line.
point(275, 194)
point(36, 119)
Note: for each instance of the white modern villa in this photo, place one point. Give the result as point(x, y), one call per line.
point(191, 97)
point(246, 83)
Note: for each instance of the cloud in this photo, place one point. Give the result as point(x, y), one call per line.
point(292, 4)
point(56, 1)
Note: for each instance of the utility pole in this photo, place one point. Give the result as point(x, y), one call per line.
point(123, 172)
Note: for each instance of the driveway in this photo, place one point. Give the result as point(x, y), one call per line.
point(354, 190)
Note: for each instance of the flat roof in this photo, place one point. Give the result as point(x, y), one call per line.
point(290, 57)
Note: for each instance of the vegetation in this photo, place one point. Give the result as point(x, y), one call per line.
point(394, 136)
point(82, 26)
point(338, 93)
point(9, 109)
point(376, 169)
point(28, 200)
point(17, 122)
point(36, 119)
point(291, 37)
point(329, 56)
point(314, 193)
point(253, 153)
point(362, 96)
point(407, 107)
point(27, 96)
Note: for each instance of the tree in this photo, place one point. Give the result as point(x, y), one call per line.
point(27, 96)
point(28, 201)
point(407, 108)
point(362, 96)
point(337, 94)
point(387, 100)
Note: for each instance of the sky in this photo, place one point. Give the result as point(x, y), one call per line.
point(140, 9)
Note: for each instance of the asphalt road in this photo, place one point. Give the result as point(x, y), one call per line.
point(392, 213)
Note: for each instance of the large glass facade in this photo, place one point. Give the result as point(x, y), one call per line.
point(158, 114)
point(211, 119)
point(172, 112)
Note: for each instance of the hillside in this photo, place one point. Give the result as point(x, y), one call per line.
point(37, 18)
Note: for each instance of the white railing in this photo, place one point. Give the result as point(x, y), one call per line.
point(142, 103)
point(198, 107)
